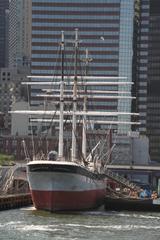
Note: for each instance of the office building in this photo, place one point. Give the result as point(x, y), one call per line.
point(20, 33)
point(148, 74)
point(11, 91)
point(105, 28)
point(4, 5)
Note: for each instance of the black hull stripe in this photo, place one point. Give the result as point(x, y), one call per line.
point(65, 169)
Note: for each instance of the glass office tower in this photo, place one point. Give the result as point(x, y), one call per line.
point(148, 74)
point(105, 28)
point(4, 5)
point(153, 96)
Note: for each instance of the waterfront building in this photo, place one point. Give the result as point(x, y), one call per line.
point(105, 28)
point(4, 5)
point(148, 74)
point(11, 91)
point(19, 33)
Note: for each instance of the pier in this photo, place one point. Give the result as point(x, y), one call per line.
point(155, 168)
point(14, 188)
point(15, 201)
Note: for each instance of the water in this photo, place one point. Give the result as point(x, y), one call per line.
point(29, 224)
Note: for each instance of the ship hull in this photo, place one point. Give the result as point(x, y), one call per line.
point(65, 187)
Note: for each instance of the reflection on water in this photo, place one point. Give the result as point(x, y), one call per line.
point(28, 223)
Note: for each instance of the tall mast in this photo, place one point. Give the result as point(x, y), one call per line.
point(73, 150)
point(84, 142)
point(60, 148)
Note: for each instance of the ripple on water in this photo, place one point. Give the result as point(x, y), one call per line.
point(27, 223)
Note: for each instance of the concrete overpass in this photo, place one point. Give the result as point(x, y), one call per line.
point(134, 167)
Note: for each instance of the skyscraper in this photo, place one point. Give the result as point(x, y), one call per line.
point(4, 5)
point(105, 28)
point(19, 33)
point(153, 101)
point(148, 74)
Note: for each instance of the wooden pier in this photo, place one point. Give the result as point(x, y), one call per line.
point(15, 201)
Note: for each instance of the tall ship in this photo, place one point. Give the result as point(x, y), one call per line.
point(78, 182)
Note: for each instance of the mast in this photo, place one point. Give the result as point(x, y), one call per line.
point(73, 150)
point(84, 125)
point(84, 142)
point(61, 117)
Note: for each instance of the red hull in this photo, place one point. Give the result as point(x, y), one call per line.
point(64, 200)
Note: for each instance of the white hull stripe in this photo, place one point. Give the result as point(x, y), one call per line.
point(55, 181)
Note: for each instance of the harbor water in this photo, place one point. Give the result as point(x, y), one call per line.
point(30, 224)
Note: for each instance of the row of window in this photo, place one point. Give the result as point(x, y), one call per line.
point(6, 73)
point(99, 11)
point(76, 24)
point(96, 56)
point(69, 33)
point(93, 64)
point(98, 40)
point(5, 79)
point(108, 3)
point(74, 1)
point(50, 72)
point(114, 50)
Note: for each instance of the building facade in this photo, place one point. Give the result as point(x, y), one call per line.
point(102, 29)
point(11, 91)
point(4, 5)
point(148, 74)
point(153, 97)
point(20, 33)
